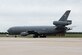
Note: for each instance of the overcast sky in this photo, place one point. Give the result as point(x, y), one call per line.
point(39, 12)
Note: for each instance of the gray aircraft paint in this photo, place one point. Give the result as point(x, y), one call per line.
point(60, 27)
point(39, 29)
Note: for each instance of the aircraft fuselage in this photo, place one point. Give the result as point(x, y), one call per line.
point(38, 29)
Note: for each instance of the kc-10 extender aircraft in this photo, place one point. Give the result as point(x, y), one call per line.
point(59, 27)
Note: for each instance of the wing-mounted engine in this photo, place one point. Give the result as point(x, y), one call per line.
point(23, 33)
point(62, 23)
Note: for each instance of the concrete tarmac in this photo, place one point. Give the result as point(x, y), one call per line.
point(40, 46)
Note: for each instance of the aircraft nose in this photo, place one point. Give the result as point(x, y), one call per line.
point(8, 30)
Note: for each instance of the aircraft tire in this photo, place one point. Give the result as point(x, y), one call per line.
point(15, 36)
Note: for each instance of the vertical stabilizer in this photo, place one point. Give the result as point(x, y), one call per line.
point(65, 16)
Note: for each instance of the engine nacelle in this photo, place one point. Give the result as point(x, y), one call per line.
point(24, 34)
point(68, 22)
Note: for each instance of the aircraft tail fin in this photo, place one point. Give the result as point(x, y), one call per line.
point(65, 16)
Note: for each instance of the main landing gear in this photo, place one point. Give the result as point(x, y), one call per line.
point(37, 36)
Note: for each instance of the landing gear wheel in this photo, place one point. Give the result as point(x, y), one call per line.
point(42, 36)
point(15, 36)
